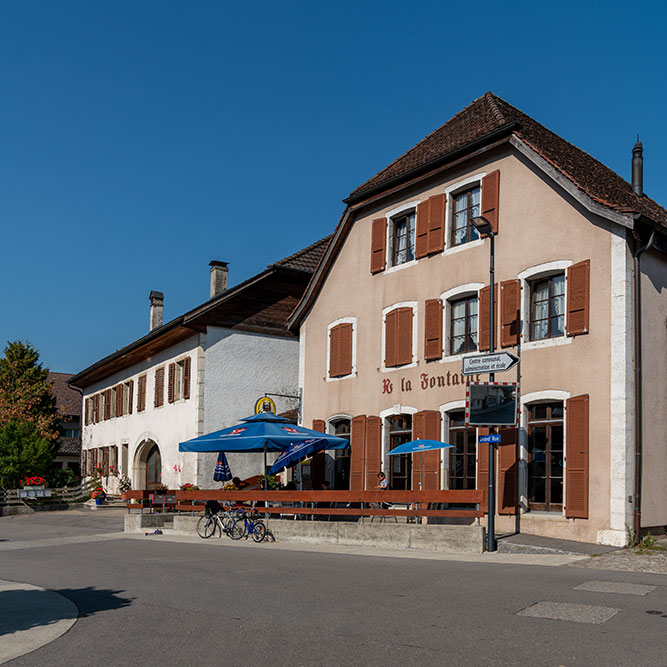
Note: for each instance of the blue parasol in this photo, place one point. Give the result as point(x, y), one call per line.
point(301, 450)
point(222, 471)
point(419, 446)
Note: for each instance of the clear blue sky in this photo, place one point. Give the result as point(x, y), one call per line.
point(142, 139)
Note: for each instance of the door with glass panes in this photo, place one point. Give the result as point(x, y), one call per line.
point(545, 457)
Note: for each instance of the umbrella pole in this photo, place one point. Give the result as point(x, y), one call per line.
point(266, 484)
point(421, 474)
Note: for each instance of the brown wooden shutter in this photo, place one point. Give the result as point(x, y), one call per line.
point(483, 469)
point(433, 329)
point(510, 312)
point(436, 226)
point(319, 425)
point(373, 451)
point(170, 386)
point(378, 242)
point(421, 233)
point(490, 198)
point(141, 398)
point(345, 353)
point(119, 400)
point(426, 465)
point(107, 404)
point(508, 471)
point(334, 351)
point(96, 408)
point(578, 298)
point(484, 317)
point(390, 342)
point(404, 336)
point(105, 461)
point(576, 457)
point(159, 388)
point(84, 462)
point(187, 372)
point(130, 396)
point(93, 461)
point(357, 452)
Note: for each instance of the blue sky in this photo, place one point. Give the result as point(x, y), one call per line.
point(141, 140)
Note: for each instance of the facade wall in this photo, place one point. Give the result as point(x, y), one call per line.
point(166, 425)
point(654, 371)
point(538, 225)
point(241, 367)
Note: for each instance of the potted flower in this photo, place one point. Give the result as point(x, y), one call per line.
point(189, 486)
point(99, 469)
point(99, 495)
point(34, 482)
point(124, 485)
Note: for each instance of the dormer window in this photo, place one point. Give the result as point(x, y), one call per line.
point(403, 238)
point(466, 206)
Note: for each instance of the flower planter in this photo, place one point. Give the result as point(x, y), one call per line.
point(99, 501)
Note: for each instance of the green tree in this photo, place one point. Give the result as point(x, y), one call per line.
point(24, 452)
point(25, 395)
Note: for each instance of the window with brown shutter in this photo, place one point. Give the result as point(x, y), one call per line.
point(390, 356)
point(340, 350)
point(141, 398)
point(398, 337)
point(373, 451)
point(508, 471)
point(96, 408)
point(378, 245)
point(430, 226)
point(545, 456)
point(107, 404)
point(490, 198)
point(113, 459)
point(186, 377)
point(158, 400)
point(357, 452)
point(130, 396)
point(578, 298)
point(510, 312)
point(423, 219)
point(483, 470)
point(433, 330)
point(119, 400)
point(426, 465)
point(485, 317)
point(105, 461)
point(319, 425)
point(576, 461)
point(170, 389)
point(465, 207)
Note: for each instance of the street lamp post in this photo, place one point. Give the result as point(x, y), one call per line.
point(484, 227)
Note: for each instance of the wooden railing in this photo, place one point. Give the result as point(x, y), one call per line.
point(66, 494)
point(317, 503)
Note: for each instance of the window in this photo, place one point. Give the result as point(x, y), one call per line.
point(127, 397)
point(340, 349)
point(141, 398)
point(402, 238)
point(398, 337)
point(341, 457)
point(547, 307)
point(462, 454)
point(71, 433)
point(158, 398)
point(465, 207)
point(179, 380)
point(400, 431)
point(545, 457)
point(463, 325)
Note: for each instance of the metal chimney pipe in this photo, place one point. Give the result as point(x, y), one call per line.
point(638, 168)
point(157, 306)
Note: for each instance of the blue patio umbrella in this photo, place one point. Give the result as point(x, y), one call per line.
point(222, 471)
point(301, 450)
point(264, 432)
point(419, 446)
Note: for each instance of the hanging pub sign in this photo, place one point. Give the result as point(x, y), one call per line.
point(492, 404)
point(265, 404)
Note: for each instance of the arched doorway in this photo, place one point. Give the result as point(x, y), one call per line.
point(147, 468)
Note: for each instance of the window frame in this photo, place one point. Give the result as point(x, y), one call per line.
point(469, 450)
point(451, 295)
point(551, 297)
point(467, 333)
point(410, 217)
point(470, 229)
point(395, 214)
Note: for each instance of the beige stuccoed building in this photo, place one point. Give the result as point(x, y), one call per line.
point(401, 296)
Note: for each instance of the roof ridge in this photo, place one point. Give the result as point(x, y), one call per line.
point(491, 100)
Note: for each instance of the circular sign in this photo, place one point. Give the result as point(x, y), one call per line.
point(265, 404)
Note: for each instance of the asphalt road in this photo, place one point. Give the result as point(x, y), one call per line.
point(148, 600)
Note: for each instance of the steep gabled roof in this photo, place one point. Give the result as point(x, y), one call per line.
point(68, 401)
point(306, 259)
point(490, 114)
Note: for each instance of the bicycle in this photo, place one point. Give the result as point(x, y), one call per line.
point(248, 524)
point(227, 522)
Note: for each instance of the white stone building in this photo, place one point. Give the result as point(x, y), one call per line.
point(198, 373)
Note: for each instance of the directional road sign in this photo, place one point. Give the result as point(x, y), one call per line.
point(488, 438)
point(489, 363)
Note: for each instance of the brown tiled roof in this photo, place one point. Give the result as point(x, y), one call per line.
point(68, 445)
point(308, 258)
point(489, 114)
point(292, 415)
point(68, 401)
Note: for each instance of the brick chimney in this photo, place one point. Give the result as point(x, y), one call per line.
point(219, 272)
point(157, 306)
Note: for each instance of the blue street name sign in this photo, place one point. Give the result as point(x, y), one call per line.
point(489, 438)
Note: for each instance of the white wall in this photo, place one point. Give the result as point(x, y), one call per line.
point(167, 425)
point(240, 368)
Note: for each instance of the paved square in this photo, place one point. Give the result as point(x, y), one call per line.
point(565, 611)
point(614, 587)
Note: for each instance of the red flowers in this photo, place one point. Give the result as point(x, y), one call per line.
point(33, 481)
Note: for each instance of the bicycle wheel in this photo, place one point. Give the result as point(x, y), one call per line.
point(206, 527)
point(258, 531)
point(237, 529)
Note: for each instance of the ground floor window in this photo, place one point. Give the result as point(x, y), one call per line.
point(545, 457)
point(341, 457)
point(463, 453)
point(400, 473)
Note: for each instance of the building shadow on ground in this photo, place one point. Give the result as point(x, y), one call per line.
point(23, 609)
